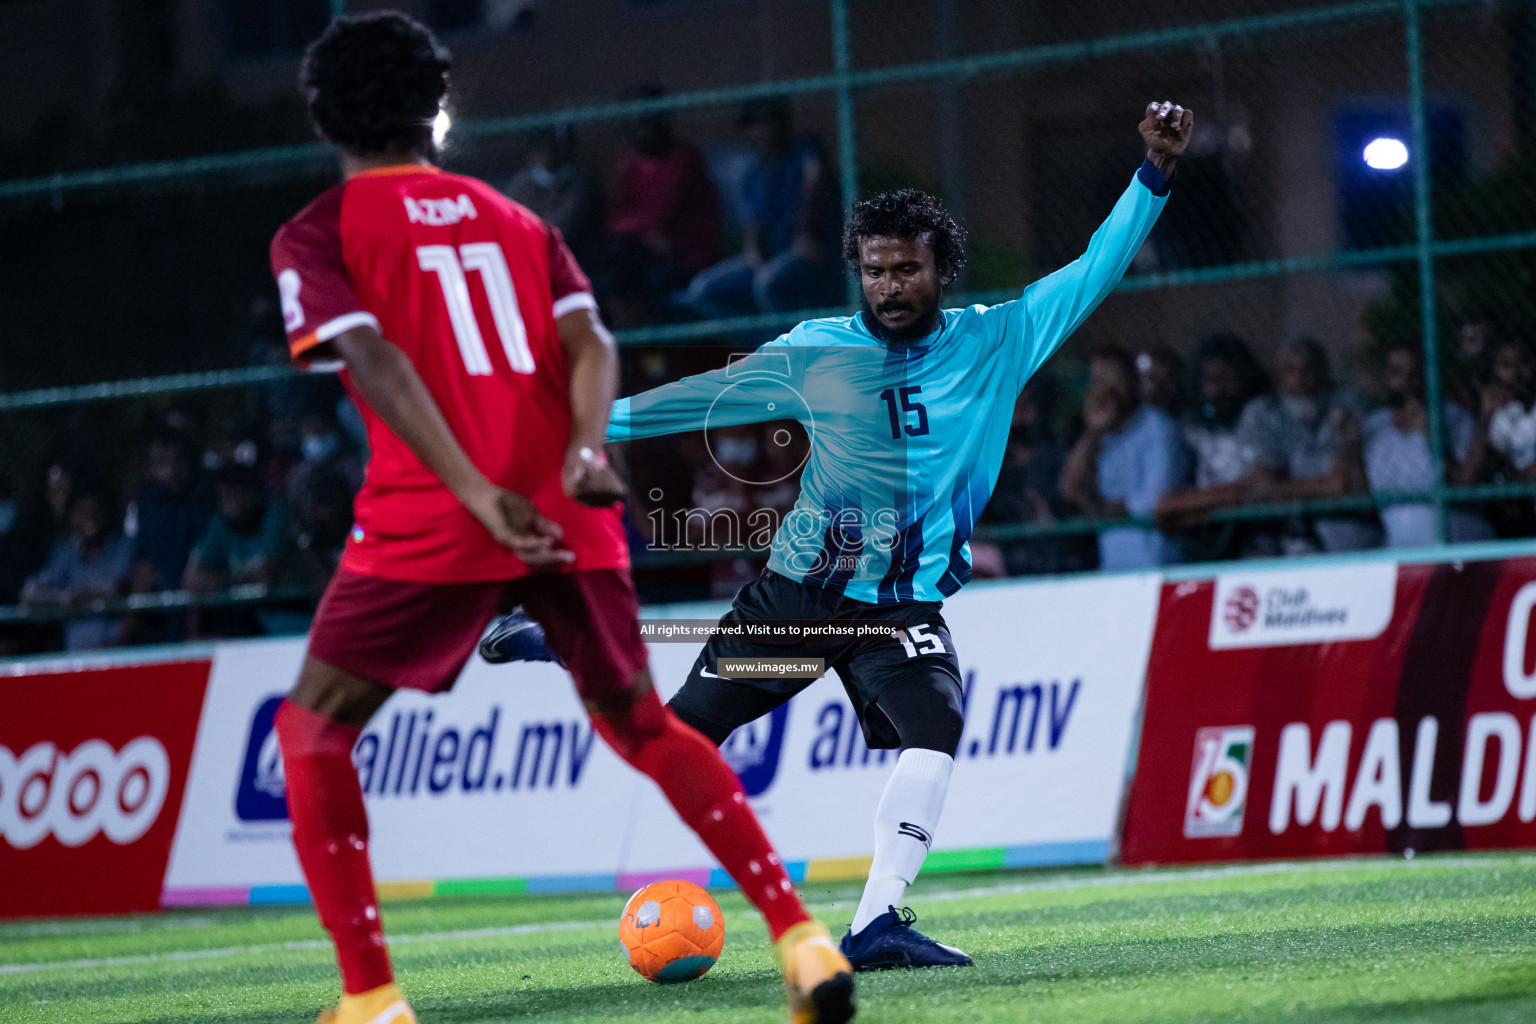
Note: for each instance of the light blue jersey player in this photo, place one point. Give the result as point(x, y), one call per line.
point(907, 407)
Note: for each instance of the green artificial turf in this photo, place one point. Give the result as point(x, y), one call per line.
point(1449, 938)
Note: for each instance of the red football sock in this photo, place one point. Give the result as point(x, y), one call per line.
point(707, 796)
point(330, 834)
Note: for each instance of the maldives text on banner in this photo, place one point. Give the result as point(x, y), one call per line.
point(1309, 713)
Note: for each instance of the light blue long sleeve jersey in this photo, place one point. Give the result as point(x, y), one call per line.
point(905, 440)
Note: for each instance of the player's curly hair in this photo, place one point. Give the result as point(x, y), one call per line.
point(375, 82)
point(907, 213)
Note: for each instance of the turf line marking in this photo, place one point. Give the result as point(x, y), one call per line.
point(41, 929)
point(297, 944)
point(1113, 880)
point(1139, 878)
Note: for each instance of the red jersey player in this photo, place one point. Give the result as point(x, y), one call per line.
point(472, 346)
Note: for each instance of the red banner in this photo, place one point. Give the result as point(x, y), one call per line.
point(1362, 708)
point(93, 765)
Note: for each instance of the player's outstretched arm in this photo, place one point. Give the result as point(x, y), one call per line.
point(1058, 303)
point(749, 389)
point(593, 358)
point(389, 383)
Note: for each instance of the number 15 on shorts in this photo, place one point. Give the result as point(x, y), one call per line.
point(917, 640)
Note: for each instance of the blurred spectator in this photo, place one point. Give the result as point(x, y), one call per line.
point(38, 523)
point(273, 401)
point(275, 447)
point(718, 521)
point(17, 551)
point(273, 408)
point(164, 518)
point(789, 258)
point(1306, 444)
point(721, 502)
point(783, 455)
point(322, 448)
point(1397, 456)
point(58, 491)
point(352, 424)
point(663, 219)
point(1160, 375)
point(1225, 378)
point(1128, 457)
point(244, 543)
point(1027, 488)
point(715, 489)
point(554, 186)
point(1504, 424)
point(736, 449)
point(1472, 358)
point(1509, 406)
point(232, 444)
point(269, 431)
point(322, 519)
point(92, 564)
point(26, 541)
point(17, 545)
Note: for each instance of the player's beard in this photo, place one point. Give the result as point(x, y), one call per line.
point(925, 324)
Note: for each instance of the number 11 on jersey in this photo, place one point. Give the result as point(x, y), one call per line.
point(451, 267)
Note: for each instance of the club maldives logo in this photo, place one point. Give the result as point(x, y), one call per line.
point(1303, 606)
point(1218, 782)
point(1242, 609)
point(753, 751)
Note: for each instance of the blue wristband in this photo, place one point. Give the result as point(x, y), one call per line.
point(1153, 178)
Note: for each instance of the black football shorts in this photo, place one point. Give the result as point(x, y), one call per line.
point(922, 654)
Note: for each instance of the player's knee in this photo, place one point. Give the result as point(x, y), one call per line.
point(940, 732)
point(627, 719)
point(329, 692)
point(290, 726)
point(939, 728)
point(302, 732)
point(927, 713)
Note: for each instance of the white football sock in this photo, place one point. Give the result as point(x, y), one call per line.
point(904, 826)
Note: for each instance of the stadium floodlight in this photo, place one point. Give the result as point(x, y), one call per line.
point(1385, 154)
point(440, 125)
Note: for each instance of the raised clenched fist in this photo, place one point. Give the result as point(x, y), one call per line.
point(1166, 128)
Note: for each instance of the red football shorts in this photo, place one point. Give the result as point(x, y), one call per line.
point(417, 636)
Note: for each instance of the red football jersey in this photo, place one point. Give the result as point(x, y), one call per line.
point(469, 285)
